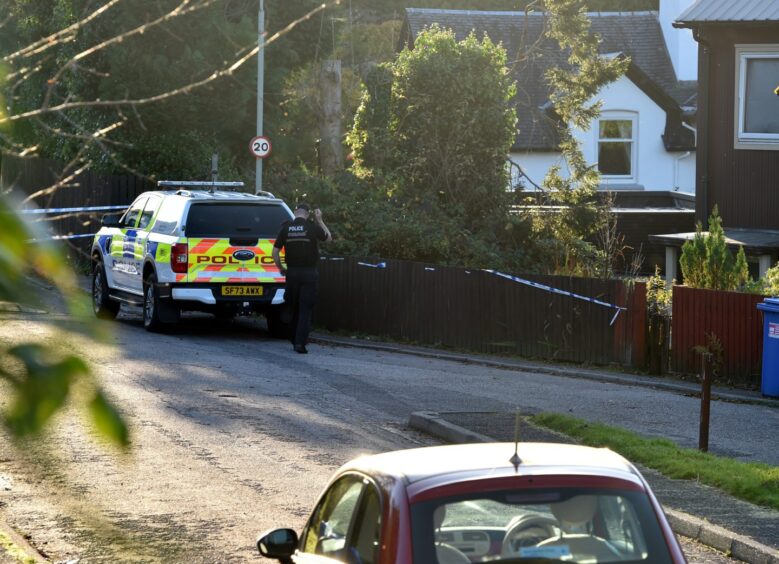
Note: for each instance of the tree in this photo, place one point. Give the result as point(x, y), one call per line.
point(448, 156)
point(106, 89)
point(707, 262)
point(562, 237)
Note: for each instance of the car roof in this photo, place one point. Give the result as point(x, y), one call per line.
point(216, 196)
point(444, 464)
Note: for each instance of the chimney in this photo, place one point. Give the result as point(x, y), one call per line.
point(681, 45)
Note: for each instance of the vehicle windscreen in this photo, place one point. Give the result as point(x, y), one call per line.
point(560, 525)
point(235, 220)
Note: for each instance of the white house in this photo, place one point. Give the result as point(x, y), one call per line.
point(644, 139)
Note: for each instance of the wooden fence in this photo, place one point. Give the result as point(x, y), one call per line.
point(47, 185)
point(729, 323)
point(476, 310)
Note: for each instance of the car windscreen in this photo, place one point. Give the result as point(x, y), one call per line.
point(235, 220)
point(559, 525)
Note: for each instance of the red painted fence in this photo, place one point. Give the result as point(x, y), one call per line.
point(730, 318)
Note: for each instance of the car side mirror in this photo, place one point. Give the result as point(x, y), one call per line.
point(110, 220)
point(278, 543)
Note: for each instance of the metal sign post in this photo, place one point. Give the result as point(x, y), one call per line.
point(260, 89)
point(703, 429)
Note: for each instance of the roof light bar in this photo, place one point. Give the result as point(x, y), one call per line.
point(202, 183)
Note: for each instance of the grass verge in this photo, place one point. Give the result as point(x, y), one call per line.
point(753, 482)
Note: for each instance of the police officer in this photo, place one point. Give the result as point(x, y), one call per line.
point(300, 239)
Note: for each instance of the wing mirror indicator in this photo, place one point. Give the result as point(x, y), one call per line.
point(278, 543)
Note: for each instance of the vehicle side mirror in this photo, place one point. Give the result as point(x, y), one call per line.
point(278, 543)
point(110, 220)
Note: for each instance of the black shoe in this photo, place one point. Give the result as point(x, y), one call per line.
point(300, 349)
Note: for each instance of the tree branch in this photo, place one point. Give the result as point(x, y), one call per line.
point(61, 36)
point(224, 71)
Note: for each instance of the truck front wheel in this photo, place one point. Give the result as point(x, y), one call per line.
point(103, 306)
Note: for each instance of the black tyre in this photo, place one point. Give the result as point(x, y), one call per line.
point(103, 306)
point(151, 305)
point(279, 325)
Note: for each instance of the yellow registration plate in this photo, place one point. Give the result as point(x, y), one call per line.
point(241, 290)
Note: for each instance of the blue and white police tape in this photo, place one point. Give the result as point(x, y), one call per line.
point(377, 265)
point(546, 288)
point(62, 237)
point(70, 210)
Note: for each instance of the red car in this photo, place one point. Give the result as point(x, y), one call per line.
point(479, 503)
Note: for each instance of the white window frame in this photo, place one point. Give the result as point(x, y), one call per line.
point(612, 115)
point(742, 139)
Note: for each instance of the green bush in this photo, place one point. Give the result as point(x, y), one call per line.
point(450, 156)
point(707, 262)
point(367, 221)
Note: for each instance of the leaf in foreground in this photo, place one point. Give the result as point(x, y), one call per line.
point(107, 420)
point(44, 388)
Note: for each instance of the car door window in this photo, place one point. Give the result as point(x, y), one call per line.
point(364, 541)
point(130, 218)
point(327, 531)
point(148, 212)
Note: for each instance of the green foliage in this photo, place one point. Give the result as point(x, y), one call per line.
point(707, 262)
point(359, 47)
point(44, 391)
point(370, 136)
point(447, 156)
point(366, 221)
point(659, 297)
point(753, 482)
point(39, 377)
point(770, 282)
point(442, 165)
point(563, 235)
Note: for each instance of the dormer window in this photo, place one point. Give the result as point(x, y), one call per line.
point(617, 147)
point(757, 105)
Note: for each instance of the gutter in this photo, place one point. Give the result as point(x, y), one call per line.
point(680, 158)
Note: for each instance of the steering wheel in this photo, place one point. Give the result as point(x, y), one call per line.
point(528, 530)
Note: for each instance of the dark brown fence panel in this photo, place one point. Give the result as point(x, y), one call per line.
point(731, 319)
point(35, 179)
point(476, 310)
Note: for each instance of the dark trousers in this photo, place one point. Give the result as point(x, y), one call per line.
point(300, 293)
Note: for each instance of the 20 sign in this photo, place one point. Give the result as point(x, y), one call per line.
point(260, 147)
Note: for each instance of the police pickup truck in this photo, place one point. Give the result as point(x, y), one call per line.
point(191, 246)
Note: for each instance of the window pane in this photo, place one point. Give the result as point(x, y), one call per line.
point(761, 113)
point(614, 158)
point(235, 220)
point(327, 531)
point(616, 129)
point(131, 215)
point(367, 528)
point(577, 525)
point(168, 218)
point(148, 212)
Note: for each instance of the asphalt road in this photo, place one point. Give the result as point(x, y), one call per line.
point(234, 433)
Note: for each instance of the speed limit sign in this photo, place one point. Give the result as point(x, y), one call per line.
point(260, 147)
